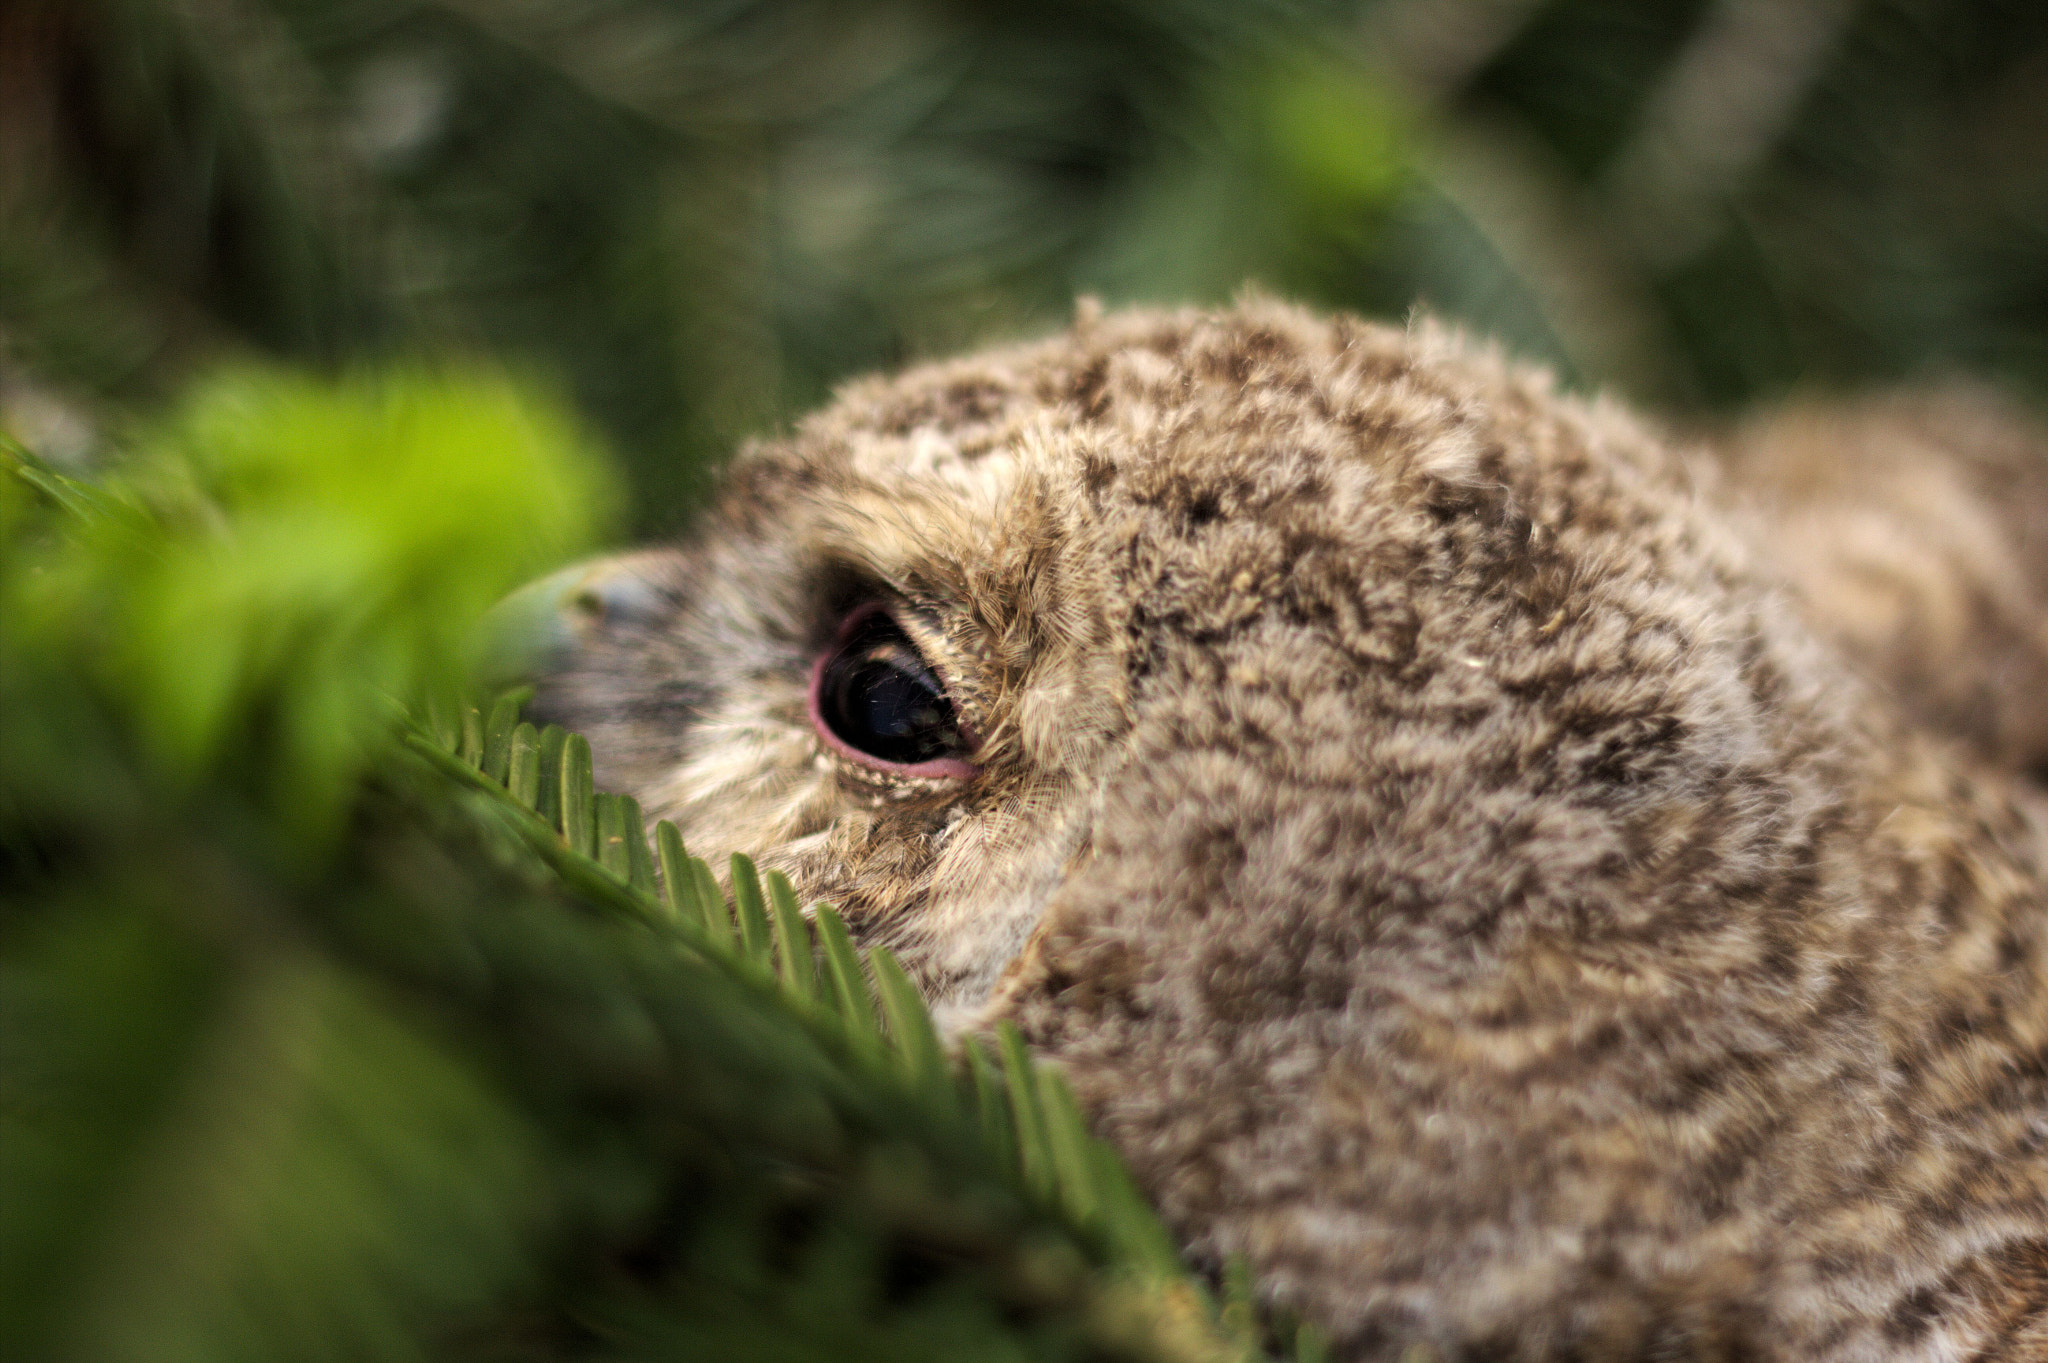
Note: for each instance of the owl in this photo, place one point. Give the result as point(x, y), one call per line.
point(1532, 886)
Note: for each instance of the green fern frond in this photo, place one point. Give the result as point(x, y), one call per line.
point(1025, 1118)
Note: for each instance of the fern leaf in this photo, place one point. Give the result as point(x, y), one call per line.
point(753, 914)
point(613, 853)
point(675, 871)
point(554, 741)
point(579, 815)
point(792, 939)
point(910, 1024)
point(522, 765)
point(1068, 1138)
point(639, 860)
point(717, 914)
point(991, 1105)
point(504, 717)
point(842, 967)
point(1034, 1146)
point(470, 746)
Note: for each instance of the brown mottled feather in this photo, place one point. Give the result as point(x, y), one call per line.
point(1533, 889)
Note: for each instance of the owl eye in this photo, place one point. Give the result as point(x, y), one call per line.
point(875, 699)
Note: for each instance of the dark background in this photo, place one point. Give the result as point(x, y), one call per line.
point(693, 218)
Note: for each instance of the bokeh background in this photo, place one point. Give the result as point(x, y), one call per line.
point(693, 216)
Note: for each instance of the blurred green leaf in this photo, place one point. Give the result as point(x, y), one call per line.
point(328, 1183)
point(312, 548)
point(1339, 135)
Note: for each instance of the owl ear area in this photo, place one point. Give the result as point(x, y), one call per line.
point(538, 629)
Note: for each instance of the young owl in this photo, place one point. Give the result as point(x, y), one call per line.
point(1534, 890)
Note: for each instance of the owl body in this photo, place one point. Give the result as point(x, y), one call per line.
point(1531, 888)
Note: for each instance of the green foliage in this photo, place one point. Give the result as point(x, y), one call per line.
point(292, 552)
point(697, 217)
point(448, 1070)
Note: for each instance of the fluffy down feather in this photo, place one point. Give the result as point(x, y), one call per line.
point(1534, 888)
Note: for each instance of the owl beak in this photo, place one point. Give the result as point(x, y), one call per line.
point(538, 629)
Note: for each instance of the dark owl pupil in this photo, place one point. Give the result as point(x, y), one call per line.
point(881, 698)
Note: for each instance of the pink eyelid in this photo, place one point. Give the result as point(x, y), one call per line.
point(950, 768)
